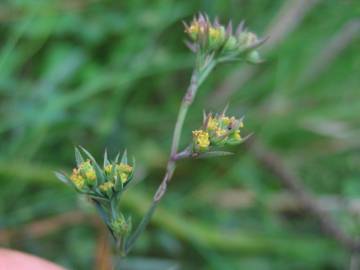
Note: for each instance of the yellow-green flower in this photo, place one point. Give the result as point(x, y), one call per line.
point(212, 123)
point(193, 30)
point(124, 168)
point(209, 37)
point(124, 171)
point(108, 168)
point(201, 138)
point(237, 135)
point(88, 172)
point(107, 186)
point(121, 226)
point(77, 179)
point(220, 132)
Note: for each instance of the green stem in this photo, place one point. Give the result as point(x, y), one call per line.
point(145, 220)
point(198, 76)
point(121, 246)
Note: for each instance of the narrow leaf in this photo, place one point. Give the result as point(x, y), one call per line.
point(78, 157)
point(63, 178)
point(106, 160)
point(117, 157)
point(124, 157)
point(214, 154)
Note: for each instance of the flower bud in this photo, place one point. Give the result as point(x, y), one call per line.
point(246, 40)
point(216, 37)
point(84, 175)
point(253, 57)
point(212, 38)
point(107, 188)
point(217, 131)
point(77, 179)
point(121, 226)
point(231, 44)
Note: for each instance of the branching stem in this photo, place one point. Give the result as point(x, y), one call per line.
point(203, 68)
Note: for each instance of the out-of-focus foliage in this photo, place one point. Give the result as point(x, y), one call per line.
point(110, 74)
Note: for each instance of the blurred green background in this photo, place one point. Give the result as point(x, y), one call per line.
point(111, 74)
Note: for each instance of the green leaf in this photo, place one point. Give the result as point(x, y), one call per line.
point(130, 183)
point(63, 178)
point(133, 167)
point(104, 216)
point(98, 198)
point(106, 160)
point(234, 142)
point(78, 157)
point(116, 176)
point(117, 157)
point(214, 154)
point(124, 157)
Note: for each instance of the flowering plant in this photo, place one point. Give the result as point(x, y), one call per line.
point(212, 43)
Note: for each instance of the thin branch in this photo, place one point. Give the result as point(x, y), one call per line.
point(199, 74)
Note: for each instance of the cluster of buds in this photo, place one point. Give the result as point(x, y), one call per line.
point(217, 130)
point(121, 226)
point(103, 185)
point(208, 38)
point(88, 177)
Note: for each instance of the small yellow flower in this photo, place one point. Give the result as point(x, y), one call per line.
point(212, 123)
point(77, 179)
point(108, 168)
point(225, 120)
point(247, 39)
point(237, 135)
point(241, 124)
point(125, 168)
point(201, 138)
point(214, 33)
point(123, 177)
point(90, 175)
point(194, 29)
point(220, 132)
point(87, 171)
point(105, 187)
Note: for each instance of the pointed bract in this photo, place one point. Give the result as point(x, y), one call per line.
point(78, 157)
point(106, 160)
point(124, 157)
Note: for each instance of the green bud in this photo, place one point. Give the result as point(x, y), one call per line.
point(121, 226)
point(253, 57)
point(231, 44)
point(216, 37)
point(246, 40)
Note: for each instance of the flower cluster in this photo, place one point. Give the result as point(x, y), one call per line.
point(104, 186)
point(208, 37)
point(88, 177)
point(83, 175)
point(121, 225)
point(217, 130)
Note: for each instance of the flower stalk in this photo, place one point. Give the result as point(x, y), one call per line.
point(212, 44)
